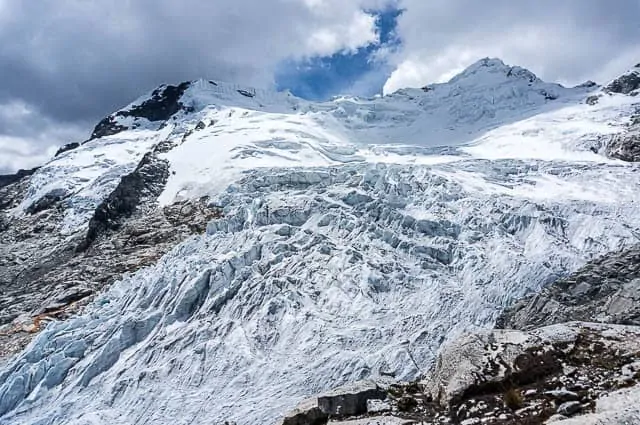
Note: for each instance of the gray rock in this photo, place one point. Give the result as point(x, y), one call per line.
point(556, 418)
point(625, 84)
point(306, 413)
point(569, 408)
point(378, 406)
point(625, 146)
point(606, 289)
point(488, 361)
point(348, 400)
point(376, 420)
point(592, 100)
point(563, 395)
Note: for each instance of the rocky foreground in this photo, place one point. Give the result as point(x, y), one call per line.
point(558, 369)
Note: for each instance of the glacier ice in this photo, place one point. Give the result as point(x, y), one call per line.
point(358, 235)
point(314, 277)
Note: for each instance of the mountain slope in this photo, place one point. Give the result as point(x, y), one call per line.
point(345, 239)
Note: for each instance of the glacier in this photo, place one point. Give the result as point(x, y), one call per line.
point(357, 236)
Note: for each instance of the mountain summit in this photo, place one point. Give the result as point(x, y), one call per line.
point(492, 69)
point(216, 253)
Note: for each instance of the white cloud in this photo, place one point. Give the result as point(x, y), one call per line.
point(21, 153)
point(28, 138)
point(343, 36)
point(569, 41)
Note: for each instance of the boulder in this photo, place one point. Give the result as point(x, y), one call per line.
point(492, 361)
point(348, 400)
point(306, 413)
point(569, 408)
point(376, 420)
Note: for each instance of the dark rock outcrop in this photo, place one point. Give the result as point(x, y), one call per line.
point(605, 290)
point(625, 146)
point(163, 103)
point(7, 179)
point(592, 100)
point(625, 84)
point(49, 200)
point(66, 148)
point(145, 182)
point(107, 127)
point(346, 401)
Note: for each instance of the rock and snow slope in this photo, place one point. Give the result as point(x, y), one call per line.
point(356, 236)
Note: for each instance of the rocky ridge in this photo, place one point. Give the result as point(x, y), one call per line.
point(626, 146)
point(46, 275)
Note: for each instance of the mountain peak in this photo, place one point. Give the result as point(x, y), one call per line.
point(493, 69)
point(167, 101)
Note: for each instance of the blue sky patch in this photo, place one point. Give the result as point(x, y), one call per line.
point(355, 73)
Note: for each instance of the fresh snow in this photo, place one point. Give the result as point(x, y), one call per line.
point(358, 235)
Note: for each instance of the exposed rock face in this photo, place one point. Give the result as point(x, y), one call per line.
point(7, 179)
point(107, 127)
point(626, 146)
point(605, 290)
point(551, 364)
point(349, 400)
point(66, 148)
point(163, 103)
point(48, 201)
point(627, 83)
point(144, 183)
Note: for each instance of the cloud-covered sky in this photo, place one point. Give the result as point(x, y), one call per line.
point(64, 64)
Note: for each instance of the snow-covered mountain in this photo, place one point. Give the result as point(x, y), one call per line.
point(352, 237)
